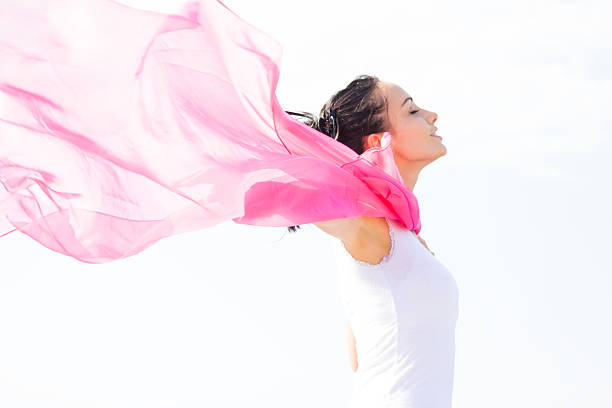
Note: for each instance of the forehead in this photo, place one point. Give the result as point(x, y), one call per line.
point(395, 95)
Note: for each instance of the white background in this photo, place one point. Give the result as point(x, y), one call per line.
point(518, 210)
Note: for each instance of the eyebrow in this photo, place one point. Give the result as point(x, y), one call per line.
point(406, 100)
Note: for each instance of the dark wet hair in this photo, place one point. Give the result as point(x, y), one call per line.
point(350, 115)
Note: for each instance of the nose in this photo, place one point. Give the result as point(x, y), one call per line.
point(432, 117)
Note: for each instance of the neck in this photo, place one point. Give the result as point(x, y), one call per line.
point(410, 172)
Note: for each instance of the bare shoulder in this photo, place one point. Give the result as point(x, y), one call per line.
point(352, 230)
point(365, 238)
point(344, 229)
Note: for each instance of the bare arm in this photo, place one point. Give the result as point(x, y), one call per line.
point(345, 229)
point(352, 350)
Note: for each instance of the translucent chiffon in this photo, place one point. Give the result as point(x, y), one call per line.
point(119, 127)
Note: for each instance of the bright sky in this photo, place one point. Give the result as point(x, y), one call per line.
point(518, 210)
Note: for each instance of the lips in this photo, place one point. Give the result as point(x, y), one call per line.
point(434, 134)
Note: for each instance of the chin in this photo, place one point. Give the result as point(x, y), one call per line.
point(439, 155)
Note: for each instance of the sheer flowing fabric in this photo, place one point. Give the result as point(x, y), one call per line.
point(119, 127)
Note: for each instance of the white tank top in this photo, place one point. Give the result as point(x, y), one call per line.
point(403, 312)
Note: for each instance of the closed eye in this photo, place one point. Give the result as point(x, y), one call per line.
point(413, 112)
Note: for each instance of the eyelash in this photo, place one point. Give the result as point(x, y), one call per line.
point(413, 112)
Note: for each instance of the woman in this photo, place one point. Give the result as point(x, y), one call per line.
point(400, 300)
point(170, 123)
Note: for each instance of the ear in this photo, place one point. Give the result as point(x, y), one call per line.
point(372, 140)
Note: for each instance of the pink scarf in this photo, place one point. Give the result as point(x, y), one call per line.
point(119, 127)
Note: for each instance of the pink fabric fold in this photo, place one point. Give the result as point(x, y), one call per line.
point(119, 127)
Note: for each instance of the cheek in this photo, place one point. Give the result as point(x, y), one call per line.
point(411, 141)
point(408, 126)
point(404, 146)
point(409, 135)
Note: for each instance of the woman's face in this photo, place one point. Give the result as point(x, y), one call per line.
point(411, 128)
